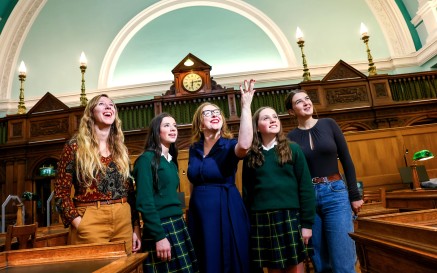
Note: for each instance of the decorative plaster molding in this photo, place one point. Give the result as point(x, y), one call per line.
point(162, 7)
point(392, 23)
point(11, 41)
point(427, 14)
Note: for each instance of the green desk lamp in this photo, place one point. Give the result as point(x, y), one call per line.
point(419, 156)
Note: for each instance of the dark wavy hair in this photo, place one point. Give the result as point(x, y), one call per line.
point(153, 143)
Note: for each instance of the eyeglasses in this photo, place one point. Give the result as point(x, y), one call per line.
point(208, 113)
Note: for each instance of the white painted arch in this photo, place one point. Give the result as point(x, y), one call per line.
point(162, 7)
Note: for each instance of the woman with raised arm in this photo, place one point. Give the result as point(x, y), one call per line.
point(217, 219)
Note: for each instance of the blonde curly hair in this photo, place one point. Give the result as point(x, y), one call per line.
point(88, 163)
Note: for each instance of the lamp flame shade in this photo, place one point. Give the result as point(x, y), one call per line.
point(422, 155)
point(83, 61)
point(299, 34)
point(363, 29)
point(22, 69)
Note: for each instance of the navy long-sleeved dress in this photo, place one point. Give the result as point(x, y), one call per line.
point(217, 218)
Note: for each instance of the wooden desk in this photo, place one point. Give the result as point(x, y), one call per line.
point(372, 209)
point(45, 236)
point(398, 242)
point(412, 200)
point(98, 258)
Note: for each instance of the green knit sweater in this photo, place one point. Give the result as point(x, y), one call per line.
point(154, 206)
point(275, 187)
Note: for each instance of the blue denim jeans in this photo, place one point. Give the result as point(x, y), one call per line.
point(334, 250)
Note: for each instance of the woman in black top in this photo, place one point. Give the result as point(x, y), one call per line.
point(322, 142)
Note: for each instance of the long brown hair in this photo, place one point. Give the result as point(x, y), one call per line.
point(88, 155)
point(255, 156)
point(153, 144)
point(196, 126)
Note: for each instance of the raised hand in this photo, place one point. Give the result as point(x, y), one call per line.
point(247, 92)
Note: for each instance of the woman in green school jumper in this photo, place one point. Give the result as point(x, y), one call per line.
point(165, 235)
point(279, 195)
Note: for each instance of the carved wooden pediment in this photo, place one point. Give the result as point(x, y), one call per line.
point(48, 103)
point(343, 71)
point(198, 64)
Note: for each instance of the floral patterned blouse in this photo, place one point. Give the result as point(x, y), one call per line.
point(109, 186)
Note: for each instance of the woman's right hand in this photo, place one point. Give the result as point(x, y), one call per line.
point(76, 222)
point(163, 250)
point(247, 92)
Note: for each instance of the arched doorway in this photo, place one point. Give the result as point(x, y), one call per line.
point(44, 176)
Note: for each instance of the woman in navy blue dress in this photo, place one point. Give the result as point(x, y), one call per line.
point(217, 219)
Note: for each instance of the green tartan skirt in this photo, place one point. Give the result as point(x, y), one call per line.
point(276, 239)
point(183, 258)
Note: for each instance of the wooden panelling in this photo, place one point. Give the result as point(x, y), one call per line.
point(378, 154)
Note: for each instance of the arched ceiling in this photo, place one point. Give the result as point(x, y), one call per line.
point(132, 45)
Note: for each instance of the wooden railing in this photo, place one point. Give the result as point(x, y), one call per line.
point(382, 91)
point(407, 87)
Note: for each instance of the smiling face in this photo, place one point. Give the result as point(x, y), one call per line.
point(302, 105)
point(268, 122)
point(104, 112)
point(168, 131)
point(211, 118)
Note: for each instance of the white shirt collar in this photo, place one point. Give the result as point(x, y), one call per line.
point(169, 157)
point(271, 146)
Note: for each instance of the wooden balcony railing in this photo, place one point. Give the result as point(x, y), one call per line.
point(361, 93)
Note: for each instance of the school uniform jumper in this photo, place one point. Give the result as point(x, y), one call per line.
point(162, 216)
point(281, 201)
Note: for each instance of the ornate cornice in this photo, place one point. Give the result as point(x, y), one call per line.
point(393, 26)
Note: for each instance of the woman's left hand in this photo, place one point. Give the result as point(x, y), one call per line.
point(306, 235)
point(356, 206)
point(136, 241)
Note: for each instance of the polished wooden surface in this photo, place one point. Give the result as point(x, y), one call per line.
point(45, 237)
point(412, 199)
point(101, 258)
point(399, 242)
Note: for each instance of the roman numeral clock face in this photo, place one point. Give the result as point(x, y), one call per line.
point(192, 82)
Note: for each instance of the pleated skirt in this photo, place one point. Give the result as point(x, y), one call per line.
point(276, 239)
point(183, 258)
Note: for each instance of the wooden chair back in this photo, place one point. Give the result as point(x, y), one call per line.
point(25, 235)
point(375, 196)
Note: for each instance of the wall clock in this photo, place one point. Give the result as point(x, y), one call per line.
point(192, 82)
point(191, 75)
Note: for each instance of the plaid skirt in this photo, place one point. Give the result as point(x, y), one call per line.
point(183, 258)
point(276, 239)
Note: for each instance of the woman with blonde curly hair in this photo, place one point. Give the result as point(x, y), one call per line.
point(96, 163)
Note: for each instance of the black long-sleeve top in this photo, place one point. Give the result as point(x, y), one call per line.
point(328, 143)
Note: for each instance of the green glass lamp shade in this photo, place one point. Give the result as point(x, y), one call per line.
point(422, 155)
